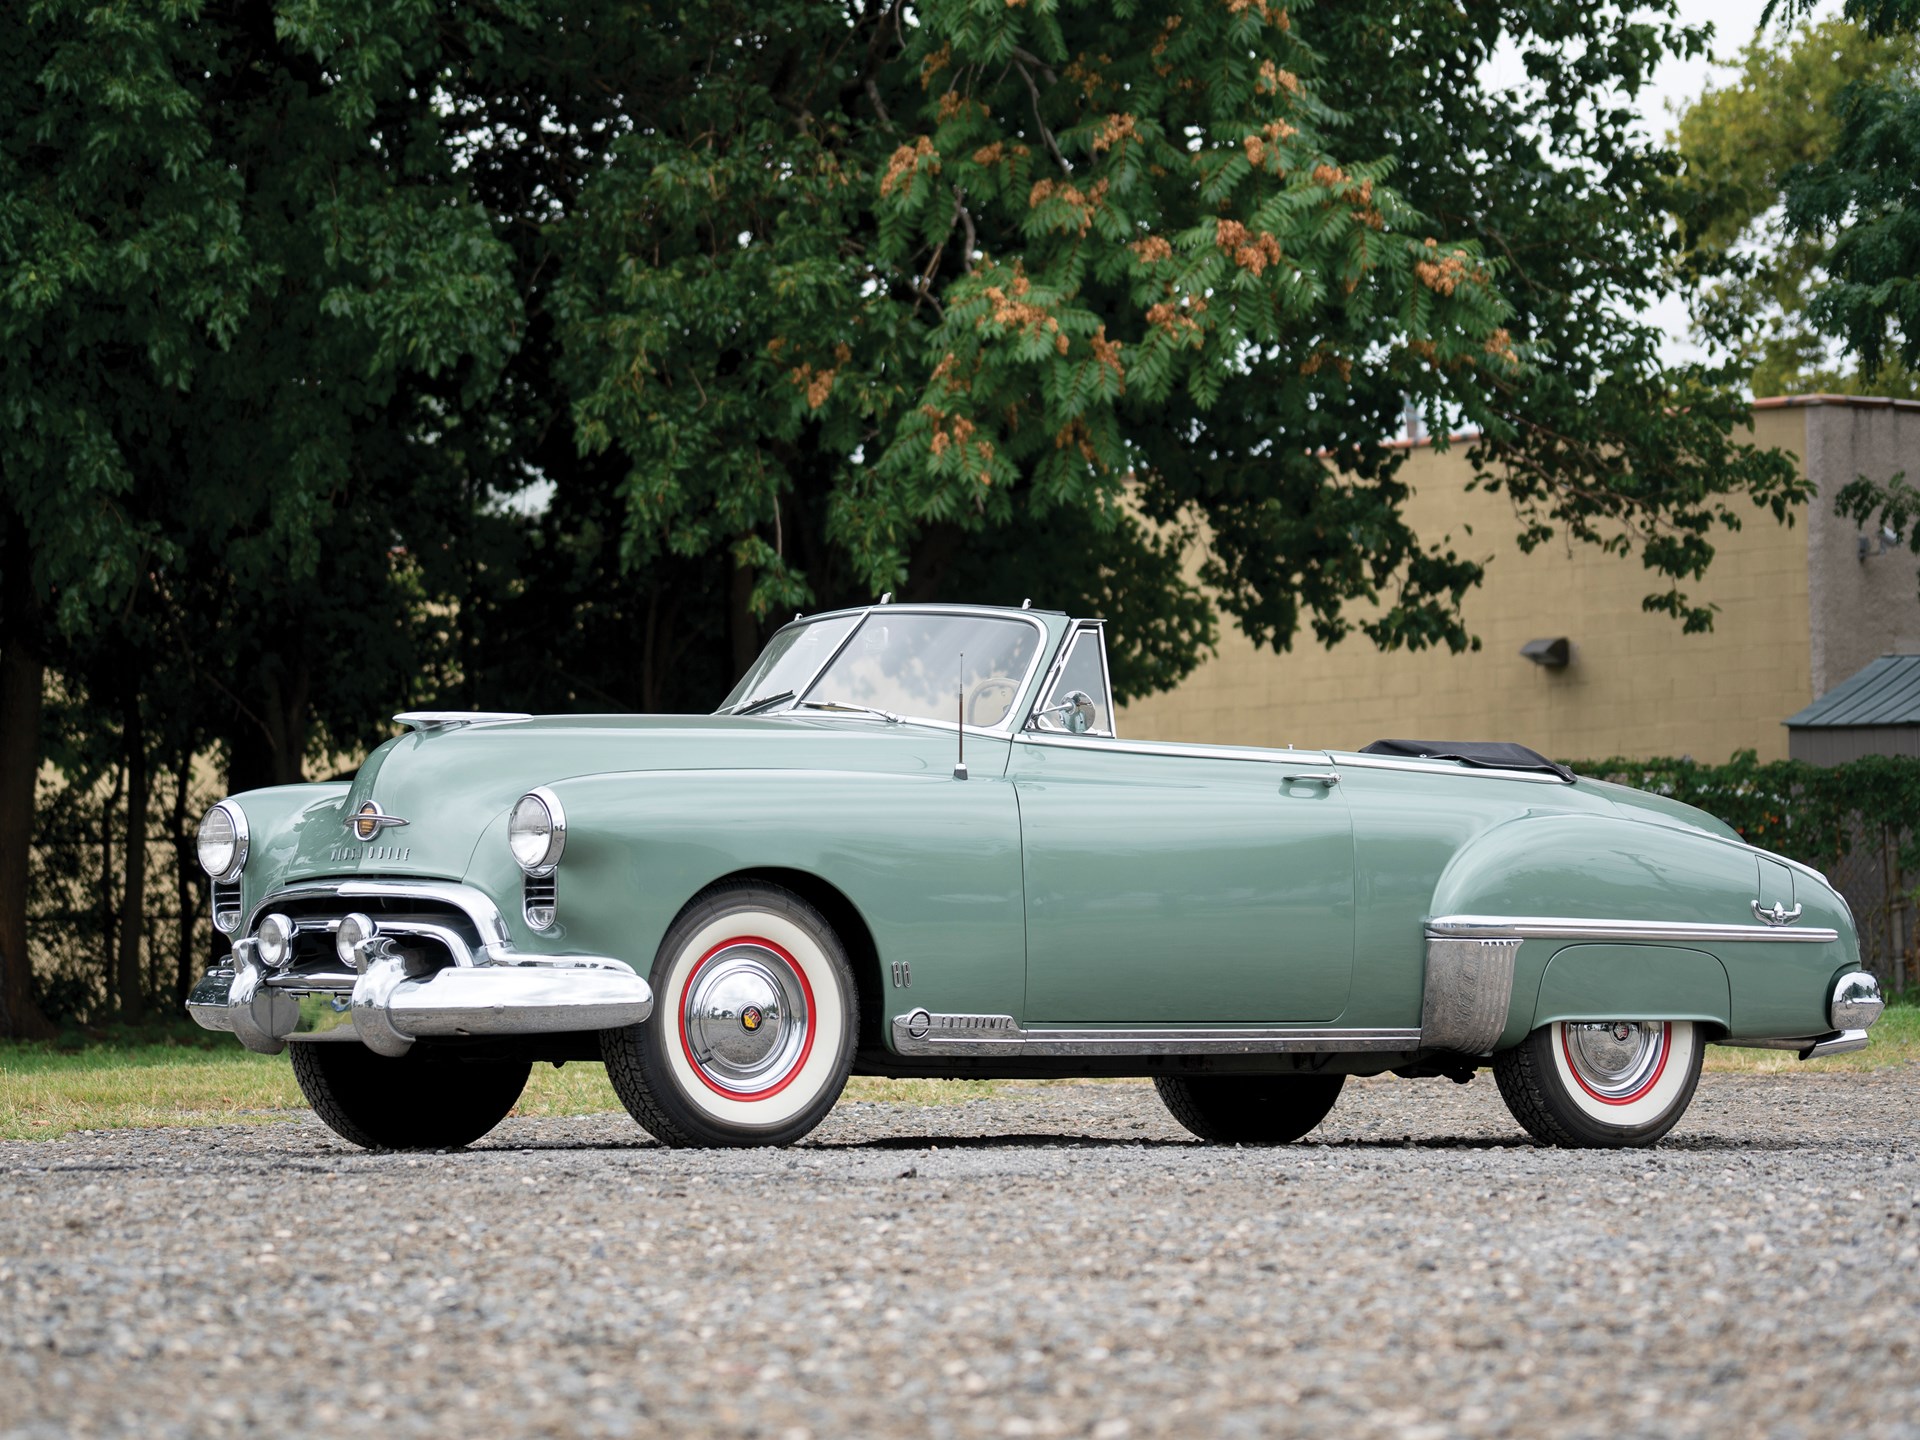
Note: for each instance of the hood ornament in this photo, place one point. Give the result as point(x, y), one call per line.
point(369, 820)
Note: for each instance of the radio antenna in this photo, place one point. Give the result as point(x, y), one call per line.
point(960, 719)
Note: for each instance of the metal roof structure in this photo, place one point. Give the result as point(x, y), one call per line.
point(1887, 692)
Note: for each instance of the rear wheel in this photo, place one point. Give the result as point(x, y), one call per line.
point(1601, 1084)
point(753, 1024)
point(421, 1100)
point(1250, 1109)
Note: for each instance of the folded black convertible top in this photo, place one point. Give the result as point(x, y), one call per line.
point(1492, 754)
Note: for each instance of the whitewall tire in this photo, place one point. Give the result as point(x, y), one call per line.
point(753, 1026)
point(1602, 1084)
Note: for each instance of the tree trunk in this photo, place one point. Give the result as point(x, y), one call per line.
point(186, 882)
point(740, 623)
point(23, 674)
point(109, 912)
point(133, 903)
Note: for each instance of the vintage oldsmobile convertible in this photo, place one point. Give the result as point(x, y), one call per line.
point(911, 843)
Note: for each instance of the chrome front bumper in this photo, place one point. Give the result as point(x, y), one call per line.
point(393, 1001)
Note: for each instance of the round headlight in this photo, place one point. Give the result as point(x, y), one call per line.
point(355, 928)
point(223, 841)
point(274, 941)
point(537, 831)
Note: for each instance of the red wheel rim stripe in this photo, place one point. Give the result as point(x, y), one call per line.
point(806, 1046)
point(1666, 1049)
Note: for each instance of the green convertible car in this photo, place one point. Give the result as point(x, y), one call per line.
point(911, 843)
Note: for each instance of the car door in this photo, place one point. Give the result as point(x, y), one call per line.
point(1172, 885)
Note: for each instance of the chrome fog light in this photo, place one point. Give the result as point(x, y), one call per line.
point(1856, 1001)
point(222, 841)
point(273, 941)
point(537, 831)
point(354, 930)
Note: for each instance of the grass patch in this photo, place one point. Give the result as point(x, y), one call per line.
point(1893, 1041)
point(51, 1090)
point(46, 1092)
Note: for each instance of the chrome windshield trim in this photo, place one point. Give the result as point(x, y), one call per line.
point(921, 1033)
point(1540, 927)
point(1442, 767)
point(1021, 703)
point(1174, 749)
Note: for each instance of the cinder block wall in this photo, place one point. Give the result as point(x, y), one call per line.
point(1637, 686)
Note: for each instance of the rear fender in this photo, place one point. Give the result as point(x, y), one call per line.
point(1633, 982)
point(1588, 867)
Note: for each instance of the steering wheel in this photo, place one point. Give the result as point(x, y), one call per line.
point(1003, 688)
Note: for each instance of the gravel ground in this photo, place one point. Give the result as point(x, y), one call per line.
point(1056, 1260)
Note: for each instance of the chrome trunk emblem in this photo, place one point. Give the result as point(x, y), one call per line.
point(369, 820)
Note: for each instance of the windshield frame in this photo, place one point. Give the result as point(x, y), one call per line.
point(1043, 656)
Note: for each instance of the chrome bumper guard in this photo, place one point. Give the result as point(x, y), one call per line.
point(392, 1003)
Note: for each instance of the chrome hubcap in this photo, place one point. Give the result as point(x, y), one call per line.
point(1618, 1057)
point(746, 1018)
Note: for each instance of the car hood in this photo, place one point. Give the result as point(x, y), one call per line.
point(450, 786)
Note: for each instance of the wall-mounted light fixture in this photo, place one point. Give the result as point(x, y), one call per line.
point(1554, 654)
point(1888, 536)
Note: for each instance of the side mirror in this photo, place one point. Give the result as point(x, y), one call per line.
point(1075, 714)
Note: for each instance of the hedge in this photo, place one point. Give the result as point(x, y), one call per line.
point(1811, 813)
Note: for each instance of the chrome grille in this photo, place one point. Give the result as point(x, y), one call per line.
point(541, 900)
point(226, 906)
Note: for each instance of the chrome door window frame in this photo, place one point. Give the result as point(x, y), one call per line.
point(1074, 634)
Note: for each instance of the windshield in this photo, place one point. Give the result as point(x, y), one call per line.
point(789, 661)
point(910, 664)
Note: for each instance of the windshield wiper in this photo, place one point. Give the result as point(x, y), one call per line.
point(886, 715)
point(762, 703)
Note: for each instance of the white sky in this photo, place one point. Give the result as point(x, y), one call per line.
point(1675, 84)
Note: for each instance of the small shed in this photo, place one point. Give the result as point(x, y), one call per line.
point(1873, 712)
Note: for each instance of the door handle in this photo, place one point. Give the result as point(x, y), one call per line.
point(1313, 777)
point(1778, 915)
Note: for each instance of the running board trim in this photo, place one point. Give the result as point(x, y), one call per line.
point(921, 1033)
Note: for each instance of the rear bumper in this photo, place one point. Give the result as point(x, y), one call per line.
point(391, 1009)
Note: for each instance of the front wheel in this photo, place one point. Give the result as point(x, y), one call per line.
point(421, 1100)
point(1249, 1109)
point(1601, 1084)
point(753, 1024)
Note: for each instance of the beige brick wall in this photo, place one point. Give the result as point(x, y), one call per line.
point(1637, 686)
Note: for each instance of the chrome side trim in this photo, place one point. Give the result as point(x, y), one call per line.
point(1441, 767)
point(1173, 750)
point(1469, 985)
point(1537, 927)
point(426, 722)
point(922, 1033)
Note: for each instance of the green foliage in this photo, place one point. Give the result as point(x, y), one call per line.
point(1739, 144)
point(1857, 202)
point(1810, 813)
point(1595, 439)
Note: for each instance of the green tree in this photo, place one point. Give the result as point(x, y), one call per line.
point(1861, 200)
point(1739, 144)
point(241, 302)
